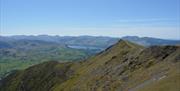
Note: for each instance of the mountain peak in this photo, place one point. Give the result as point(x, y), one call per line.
point(127, 44)
point(121, 46)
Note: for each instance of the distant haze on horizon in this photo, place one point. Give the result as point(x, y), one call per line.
point(114, 18)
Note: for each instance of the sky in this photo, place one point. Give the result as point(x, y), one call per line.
point(116, 18)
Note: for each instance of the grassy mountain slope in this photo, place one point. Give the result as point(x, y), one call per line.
point(124, 66)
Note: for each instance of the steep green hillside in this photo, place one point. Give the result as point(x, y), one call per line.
point(124, 66)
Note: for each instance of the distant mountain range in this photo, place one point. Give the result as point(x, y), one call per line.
point(148, 41)
point(125, 66)
point(95, 41)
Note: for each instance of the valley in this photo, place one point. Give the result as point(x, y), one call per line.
point(20, 52)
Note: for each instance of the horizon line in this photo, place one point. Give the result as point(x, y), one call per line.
point(52, 35)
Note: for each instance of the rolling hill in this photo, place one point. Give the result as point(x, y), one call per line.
point(125, 66)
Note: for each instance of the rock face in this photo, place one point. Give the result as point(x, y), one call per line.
point(124, 66)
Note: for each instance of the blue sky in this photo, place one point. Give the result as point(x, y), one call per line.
point(150, 18)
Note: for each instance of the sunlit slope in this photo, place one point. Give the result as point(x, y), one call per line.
point(123, 67)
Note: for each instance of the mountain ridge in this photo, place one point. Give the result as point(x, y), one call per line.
point(123, 67)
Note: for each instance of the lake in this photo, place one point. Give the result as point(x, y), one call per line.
point(85, 47)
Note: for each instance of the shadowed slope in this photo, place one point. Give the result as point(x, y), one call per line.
point(40, 77)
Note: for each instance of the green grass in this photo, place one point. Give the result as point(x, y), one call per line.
point(169, 83)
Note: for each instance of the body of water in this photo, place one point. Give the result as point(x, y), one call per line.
point(85, 47)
